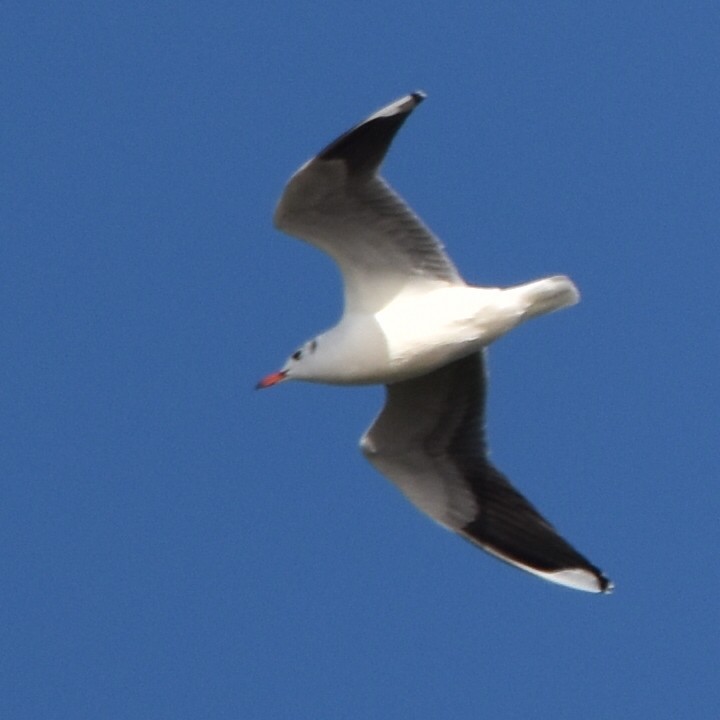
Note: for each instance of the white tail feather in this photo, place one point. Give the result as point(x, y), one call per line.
point(547, 295)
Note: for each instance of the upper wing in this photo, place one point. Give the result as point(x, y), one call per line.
point(429, 440)
point(339, 203)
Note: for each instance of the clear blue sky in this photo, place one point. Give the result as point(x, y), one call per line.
point(176, 545)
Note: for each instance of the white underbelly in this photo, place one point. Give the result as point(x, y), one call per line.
point(425, 333)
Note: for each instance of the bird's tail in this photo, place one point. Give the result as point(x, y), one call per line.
point(547, 295)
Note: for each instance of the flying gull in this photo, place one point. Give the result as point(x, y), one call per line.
point(413, 324)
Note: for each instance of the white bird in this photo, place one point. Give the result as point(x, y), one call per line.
point(413, 324)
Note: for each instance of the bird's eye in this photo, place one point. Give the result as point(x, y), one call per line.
point(296, 355)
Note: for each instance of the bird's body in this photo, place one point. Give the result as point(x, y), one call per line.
point(412, 323)
point(416, 332)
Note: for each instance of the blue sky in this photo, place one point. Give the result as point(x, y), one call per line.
point(179, 546)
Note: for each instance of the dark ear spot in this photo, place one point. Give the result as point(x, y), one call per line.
point(313, 346)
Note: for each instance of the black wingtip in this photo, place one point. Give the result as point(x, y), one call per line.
point(606, 584)
point(363, 147)
point(510, 528)
point(418, 96)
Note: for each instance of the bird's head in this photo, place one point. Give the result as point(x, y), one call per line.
point(299, 366)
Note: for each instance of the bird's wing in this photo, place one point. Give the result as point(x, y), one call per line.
point(338, 202)
point(429, 440)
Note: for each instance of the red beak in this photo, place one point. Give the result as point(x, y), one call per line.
point(271, 379)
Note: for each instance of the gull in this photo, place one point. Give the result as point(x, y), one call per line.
point(412, 323)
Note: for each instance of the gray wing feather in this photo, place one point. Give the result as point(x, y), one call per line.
point(338, 203)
